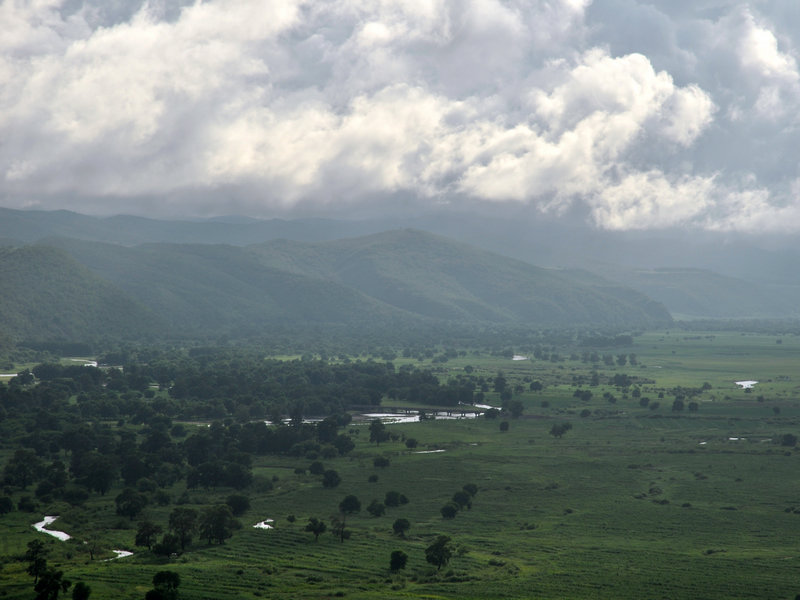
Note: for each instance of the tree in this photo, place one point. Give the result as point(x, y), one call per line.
point(411, 443)
point(504, 426)
point(100, 472)
point(330, 479)
point(81, 591)
point(393, 498)
point(560, 429)
point(182, 521)
point(147, 534)
point(36, 555)
point(170, 544)
point(165, 586)
point(22, 469)
point(400, 526)
point(677, 405)
point(238, 504)
point(377, 432)
point(463, 499)
point(439, 552)
point(316, 526)
point(499, 382)
point(350, 505)
point(217, 523)
point(470, 488)
point(376, 509)
point(449, 510)
point(515, 407)
point(398, 560)
point(130, 503)
point(380, 462)
point(338, 529)
point(50, 585)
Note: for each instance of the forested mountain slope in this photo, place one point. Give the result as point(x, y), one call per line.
point(393, 280)
point(436, 277)
point(46, 294)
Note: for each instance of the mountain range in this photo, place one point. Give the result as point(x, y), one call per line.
point(68, 288)
point(232, 275)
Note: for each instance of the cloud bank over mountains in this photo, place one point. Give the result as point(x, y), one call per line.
point(634, 115)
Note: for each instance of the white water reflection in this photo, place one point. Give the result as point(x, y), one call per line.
point(40, 526)
point(265, 524)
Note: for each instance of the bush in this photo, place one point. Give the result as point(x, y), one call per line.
point(449, 510)
point(376, 509)
point(398, 560)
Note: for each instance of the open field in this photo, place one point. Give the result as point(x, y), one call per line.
point(631, 502)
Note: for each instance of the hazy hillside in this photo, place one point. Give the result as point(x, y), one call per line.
point(45, 294)
point(702, 293)
point(442, 279)
point(223, 289)
point(397, 279)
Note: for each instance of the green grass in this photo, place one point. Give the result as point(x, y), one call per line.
point(628, 504)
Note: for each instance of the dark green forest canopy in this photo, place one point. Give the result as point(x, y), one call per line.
point(394, 285)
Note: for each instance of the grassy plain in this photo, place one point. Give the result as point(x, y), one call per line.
point(630, 503)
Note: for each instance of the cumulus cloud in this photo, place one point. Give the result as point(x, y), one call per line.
point(290, 105)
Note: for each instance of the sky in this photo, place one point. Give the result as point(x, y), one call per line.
point(624, 114)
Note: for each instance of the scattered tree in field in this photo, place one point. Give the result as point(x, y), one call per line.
point(183, 521)
point(439, 552)
point(350, 505)
point(789, 439)
point(515, 408)
point(130, 503)
point(165, 586)
point(400, 526)
point(470, 488)
point(504, 426)
point(316, 526)
point(393, 498)
point(338, 529)
point(81, 591)
point(376, 509)
point(398, 560)
point(462, 499)
point(411, 443)
point(677, 405)
point(491, 413)
point(217, 524)
point(330, 479)
point(50, 585)
point(377, 432)
point(449, 510)
point(170, 544)
point(147, 534)
point(693, 406)
point(560, 429)
point(36, 556)
point(316, 468)
point(380, 462)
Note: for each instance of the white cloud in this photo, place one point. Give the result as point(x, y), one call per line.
point(300, 104)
